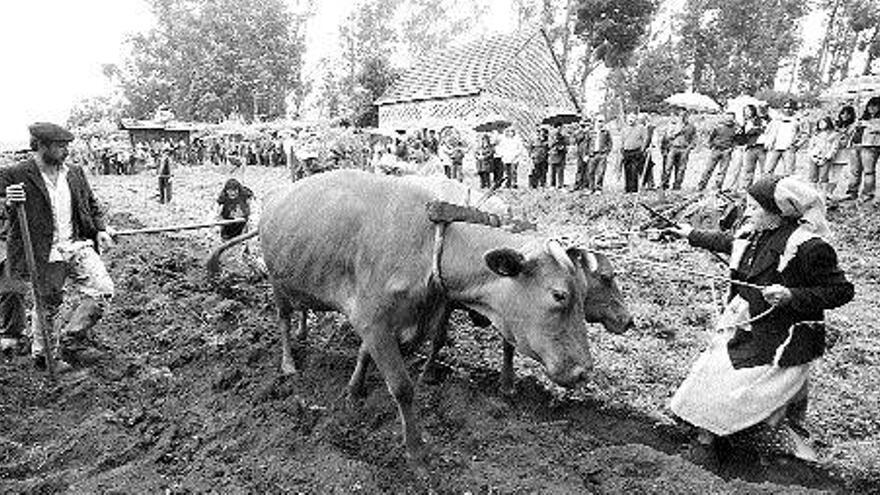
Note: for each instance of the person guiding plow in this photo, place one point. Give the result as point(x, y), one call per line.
point(63, 231)
point(753, 377)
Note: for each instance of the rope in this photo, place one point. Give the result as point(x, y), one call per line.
point(667, 266)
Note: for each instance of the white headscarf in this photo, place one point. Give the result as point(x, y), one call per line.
point(798, 199)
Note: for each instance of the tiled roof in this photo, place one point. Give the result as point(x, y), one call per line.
point(457, 71)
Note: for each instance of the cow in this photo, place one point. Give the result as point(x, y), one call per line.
point(603, 303)
point(362, 244)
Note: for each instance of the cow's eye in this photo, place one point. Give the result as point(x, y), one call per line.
point(560, 296)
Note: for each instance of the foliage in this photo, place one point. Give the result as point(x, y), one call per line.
point(733, 48)
point(654, 75)
point(207, 59)
point(98, 109)
point(430, 25)
point(613, 29)
point(376, 76)
point(367, 41)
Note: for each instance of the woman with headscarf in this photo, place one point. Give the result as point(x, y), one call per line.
point(867, 143)
point(754, 374)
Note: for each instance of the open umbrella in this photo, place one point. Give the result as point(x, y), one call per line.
point(560, 116)
point(693, 101)
point(492, 123)
point(858, 87)
point(381, 131)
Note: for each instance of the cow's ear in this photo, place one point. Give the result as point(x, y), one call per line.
point(584, 258)
point(505, 262)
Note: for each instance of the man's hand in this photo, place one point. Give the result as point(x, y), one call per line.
point(15, 194)
point(105, 239)
point(776, 294)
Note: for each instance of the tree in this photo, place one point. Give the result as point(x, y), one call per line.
point(367, 42)
point(95, 110)
point(612, 29)
point(430, 25)
point(654, 75)
point(731, 46)
point(209, 58)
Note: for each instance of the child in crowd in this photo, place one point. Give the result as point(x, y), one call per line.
point(821, 150)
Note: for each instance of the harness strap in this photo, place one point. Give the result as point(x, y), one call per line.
point(436, 276)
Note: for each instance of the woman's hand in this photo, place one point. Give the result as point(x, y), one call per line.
point(776, 294)
point(678, 230)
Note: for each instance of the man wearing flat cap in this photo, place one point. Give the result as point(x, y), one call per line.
point(66, 230)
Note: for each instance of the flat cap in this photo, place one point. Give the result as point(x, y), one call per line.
point(49, 132)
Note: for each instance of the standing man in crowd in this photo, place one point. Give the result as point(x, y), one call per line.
point(783, 138)
point(722, 139)
point(598, 146)
point(540, 152)
point(648, 173)
point(164, 174)
point(634, 143)
point(66, 229)
point(556, 158)
point(678, 141)
point(581, 139)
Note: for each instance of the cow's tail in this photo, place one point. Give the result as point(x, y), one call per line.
point(213, 263)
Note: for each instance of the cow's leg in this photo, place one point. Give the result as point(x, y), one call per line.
point(431, 371)
point(505, 385)
point(385, 351)
point(356, 388)
point(302, 332)
point(288, 366)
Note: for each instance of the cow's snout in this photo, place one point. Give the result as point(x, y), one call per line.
point(629, 325)
point(571, 376)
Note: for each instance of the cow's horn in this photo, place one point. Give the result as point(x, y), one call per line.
point(592, 262)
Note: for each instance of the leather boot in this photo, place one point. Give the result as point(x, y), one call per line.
point(84, 317)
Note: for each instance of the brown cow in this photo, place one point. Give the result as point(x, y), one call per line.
point(362, 244)
point(603, 303)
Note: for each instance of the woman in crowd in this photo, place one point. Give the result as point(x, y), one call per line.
point(866, 141)
point(485, 157)
point(752, 151)
point(847, 156)
point(821, 150)
point(753, 376)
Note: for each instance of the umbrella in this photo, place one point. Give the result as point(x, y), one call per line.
point(559, 116)
point(492, 123)
point(863, 86)
point(737, 104)
point(693, 101)
point(381, 131)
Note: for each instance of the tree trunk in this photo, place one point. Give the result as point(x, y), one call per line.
point(823, 50)
point(871, 52)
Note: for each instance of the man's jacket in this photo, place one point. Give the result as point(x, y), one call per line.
point(87, 218)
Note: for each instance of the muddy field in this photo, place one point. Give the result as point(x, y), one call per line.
point(187, 398)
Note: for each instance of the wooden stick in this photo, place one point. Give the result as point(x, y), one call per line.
point(45, 333)
point(173, 228)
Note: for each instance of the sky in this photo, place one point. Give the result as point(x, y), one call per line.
point(53, 50)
